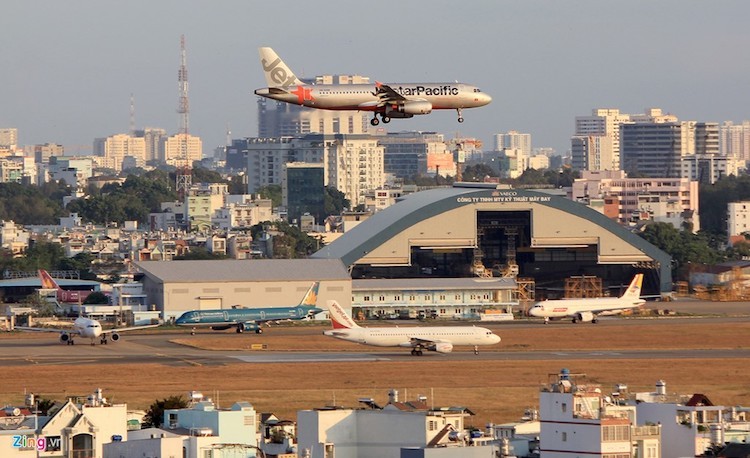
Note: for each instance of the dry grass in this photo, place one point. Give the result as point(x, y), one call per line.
point(496, 391)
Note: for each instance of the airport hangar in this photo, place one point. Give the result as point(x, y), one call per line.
point(174, 287)
point(441, 233)
point(457, 231)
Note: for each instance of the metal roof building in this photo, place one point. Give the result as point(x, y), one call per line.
point(177, 286)
point(454, 232)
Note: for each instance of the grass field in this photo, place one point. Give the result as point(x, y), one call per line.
point(496, 391)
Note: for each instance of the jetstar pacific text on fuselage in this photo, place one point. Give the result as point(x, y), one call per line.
point(422, 90)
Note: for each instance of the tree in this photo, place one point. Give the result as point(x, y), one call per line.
point(273, 192)
point(154, 417)
point(478, 172)
point(335, 201)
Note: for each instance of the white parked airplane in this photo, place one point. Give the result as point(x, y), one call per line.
point(432, 338)
point(395, 100)
point(588, 309)
point(86, 328)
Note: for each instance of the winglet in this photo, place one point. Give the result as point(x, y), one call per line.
point(311, 297)
point(47, 281)
point(634, 289)
point(339, 318)
point(276, 71)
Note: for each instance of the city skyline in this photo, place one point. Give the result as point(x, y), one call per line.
point(71, 68)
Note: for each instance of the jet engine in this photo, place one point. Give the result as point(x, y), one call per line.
point(583, 317)
point(242, 327)
point(417, 107)
point(408, 109)
point(441, 347)
point(65, 338)
point(115, 337)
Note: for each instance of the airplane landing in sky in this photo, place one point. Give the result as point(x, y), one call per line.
point(588, 309)
point(86, 328)
point(393, 100)
point(440, 339)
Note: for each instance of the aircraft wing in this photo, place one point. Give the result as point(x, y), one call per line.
point(424, 342)
point(132, 328)
point(387, 94)
point(56, 330)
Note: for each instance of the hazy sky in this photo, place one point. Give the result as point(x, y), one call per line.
point(69, 67)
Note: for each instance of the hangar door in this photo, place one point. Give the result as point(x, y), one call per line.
point(208, 303)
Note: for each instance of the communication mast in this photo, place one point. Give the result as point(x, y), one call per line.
point(183, 177)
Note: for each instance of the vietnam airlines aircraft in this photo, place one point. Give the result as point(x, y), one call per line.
point(588, 309)
point(88, 329)
point(432, 338)
point(394, 100)
point(250, 319)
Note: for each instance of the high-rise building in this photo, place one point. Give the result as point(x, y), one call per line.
point(280, 119)
point(734, 140)
point(9, 138)
point(353, 163)
point(42, 153)
point(303, 190)
point(407, 154)
point(111, 151)
point(596, 142)
point(154, 139)
point(593, 152)
point(514, 140)
point(653, 149)
point(181, 150)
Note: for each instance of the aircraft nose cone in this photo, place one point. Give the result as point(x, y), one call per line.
point(485, 99)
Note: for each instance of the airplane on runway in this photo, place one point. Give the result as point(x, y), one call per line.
point(249, 319)
point(62, 295)
point(87, 328)
point(431, 338)
point(394, 100)
point(588, 309)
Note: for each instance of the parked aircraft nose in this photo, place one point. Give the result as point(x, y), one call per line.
point(494, 338)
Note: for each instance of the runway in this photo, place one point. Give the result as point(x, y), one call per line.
point(157, 347)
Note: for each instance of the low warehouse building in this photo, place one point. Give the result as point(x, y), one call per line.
point(178, 286)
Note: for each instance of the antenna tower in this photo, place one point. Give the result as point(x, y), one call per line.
point(183, 178)
point(132, 114)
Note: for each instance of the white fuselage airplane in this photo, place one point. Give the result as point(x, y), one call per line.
point(588, 309)
point(432, 338)
point(395, 100)
point(86, 328)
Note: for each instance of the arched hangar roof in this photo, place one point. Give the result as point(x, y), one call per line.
point(446, 218)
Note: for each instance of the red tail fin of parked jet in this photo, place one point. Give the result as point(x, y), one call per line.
point(63, 295)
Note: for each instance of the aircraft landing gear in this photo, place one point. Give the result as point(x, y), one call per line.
point(192, 332)
point(386, 119)
point(476, 350)
point(416, 351)
point(546, 320)
point(103, 341)
point(375, 121)
point(460, 115)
